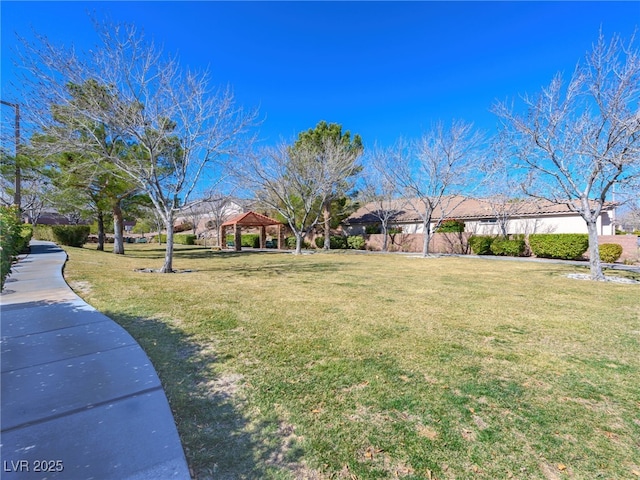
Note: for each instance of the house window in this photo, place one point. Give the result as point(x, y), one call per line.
point(488, 221)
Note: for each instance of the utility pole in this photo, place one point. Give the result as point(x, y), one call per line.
point(17, 197)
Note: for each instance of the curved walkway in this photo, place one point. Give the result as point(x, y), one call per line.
point(80, 399)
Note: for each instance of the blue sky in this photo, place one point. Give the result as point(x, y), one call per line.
point(381, 69)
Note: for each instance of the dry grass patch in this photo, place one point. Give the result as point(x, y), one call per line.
point(445, 367)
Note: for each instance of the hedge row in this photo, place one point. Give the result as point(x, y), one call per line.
point(246, 240)
point(43, 232)
point(509, 247)
point(565, 246)
point(514, 246)
point(14, 239)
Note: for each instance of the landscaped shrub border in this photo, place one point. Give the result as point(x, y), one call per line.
point(246, 240)
point(179, 239)
point(14, 238)
point(565, 246)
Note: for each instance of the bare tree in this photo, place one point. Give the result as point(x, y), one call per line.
point(218, 209)
point(435, 169)
point(381, 193)
point(176, 129)
point(501, 186)
point(290, 181)
point(630, 218)
point(580, 139)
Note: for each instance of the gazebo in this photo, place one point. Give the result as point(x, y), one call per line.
point(252, 220)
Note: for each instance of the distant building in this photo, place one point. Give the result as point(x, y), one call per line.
point(485, 217)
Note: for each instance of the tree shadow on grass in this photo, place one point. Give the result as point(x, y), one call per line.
point(219, 441)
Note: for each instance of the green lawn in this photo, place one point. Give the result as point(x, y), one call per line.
point(380, 366)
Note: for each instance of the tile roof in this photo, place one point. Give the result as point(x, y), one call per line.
point(251, 219)
point(463, 208)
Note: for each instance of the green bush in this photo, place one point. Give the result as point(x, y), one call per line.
point(26, 234)
point(610, 252)
point(290, 242)
point(251, 240)
point(14, 239)
point(71, 235)
point(451, 226)
point(372, 229)
point(184, 239)
point(246, 240)
point(336, 242)
point(510, 247)
point(43, 232)
point(481, 244)
point(356, 242)
point(178, 239)
point(566, 246)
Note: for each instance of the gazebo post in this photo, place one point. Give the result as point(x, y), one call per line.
point(280, 238)
point(263, 236)
point(237, 230)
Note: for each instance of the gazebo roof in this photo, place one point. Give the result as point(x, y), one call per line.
point(251, 219)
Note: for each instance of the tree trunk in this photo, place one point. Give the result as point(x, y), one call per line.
point(100, 231)
point(118, 223)
point(426, 227)
point(385, 241)
point(168, 255)
point(327, 224)
point(298, 242)
point(594, 251)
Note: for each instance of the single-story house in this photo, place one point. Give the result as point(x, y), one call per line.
point(482, 216)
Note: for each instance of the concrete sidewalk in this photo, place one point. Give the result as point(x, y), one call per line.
point(80, 399)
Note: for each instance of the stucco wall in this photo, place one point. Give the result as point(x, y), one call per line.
point(547, 224)
point(408, 242)
point(550, 224)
